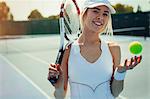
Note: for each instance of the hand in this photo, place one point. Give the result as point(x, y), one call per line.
point(55, 72)
point(130, 64)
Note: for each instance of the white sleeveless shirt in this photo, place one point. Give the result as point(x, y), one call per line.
point(90, 80)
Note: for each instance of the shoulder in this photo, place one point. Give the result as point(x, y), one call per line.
point(114, 47)
point(64, 64)
point(67, 49)
point(115, 51)
point(67, 52)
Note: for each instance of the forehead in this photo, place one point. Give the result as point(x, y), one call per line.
point(101, 7)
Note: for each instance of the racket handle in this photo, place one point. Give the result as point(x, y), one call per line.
point(59, 57)
point(53, 80)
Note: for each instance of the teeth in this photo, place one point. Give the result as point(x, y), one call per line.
point(98, 23)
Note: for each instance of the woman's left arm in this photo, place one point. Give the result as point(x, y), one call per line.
point(116, 85)
point(120, 70)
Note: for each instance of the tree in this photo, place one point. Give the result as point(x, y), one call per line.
point(120, 8)
point(5, 13)
point(34, 15)
point(53, 17)
point(139, 8)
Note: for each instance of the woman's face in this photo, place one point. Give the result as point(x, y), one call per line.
point(95, 19)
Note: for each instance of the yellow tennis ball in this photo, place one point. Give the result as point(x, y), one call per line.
point(135, 47)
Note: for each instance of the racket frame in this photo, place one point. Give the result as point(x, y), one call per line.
point(63, 35)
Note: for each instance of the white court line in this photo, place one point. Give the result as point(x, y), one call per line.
point(27, 78)
point(22, 74)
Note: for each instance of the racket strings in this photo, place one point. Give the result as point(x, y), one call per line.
point(71, 20)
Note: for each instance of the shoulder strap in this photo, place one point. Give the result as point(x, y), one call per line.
point(68, 47)
point(112, 77)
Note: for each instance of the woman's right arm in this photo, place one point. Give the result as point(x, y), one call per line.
point(61, 84)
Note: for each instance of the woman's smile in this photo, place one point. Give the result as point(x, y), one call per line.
point(98, 23)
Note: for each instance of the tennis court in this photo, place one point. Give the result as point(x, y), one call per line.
point(24, 66)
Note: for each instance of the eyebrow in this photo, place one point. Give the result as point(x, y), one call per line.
point(99, 9)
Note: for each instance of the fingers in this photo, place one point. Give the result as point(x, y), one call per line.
point(139, 59)
point(126, 63)
point(53, 71)
point(52, 67)
point(133, 62)
point(129, 64)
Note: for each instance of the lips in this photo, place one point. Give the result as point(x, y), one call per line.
point(97, 23)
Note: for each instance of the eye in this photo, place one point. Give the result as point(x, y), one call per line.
point(105, 14)
point(96, 11)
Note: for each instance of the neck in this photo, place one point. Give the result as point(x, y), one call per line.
point(89, 38)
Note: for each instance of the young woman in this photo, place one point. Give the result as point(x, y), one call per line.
point(91, 65)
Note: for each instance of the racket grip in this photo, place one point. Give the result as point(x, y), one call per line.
point(53, 80)
point(59, 57)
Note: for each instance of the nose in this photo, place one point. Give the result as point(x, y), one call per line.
point(100, 17)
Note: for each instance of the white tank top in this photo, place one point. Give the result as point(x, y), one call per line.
point(90, 80)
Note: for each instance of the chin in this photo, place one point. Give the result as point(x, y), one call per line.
point(98, 30)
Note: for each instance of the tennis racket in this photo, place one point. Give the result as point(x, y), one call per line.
point(69, 28)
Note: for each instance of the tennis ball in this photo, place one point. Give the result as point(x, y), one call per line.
point(135, 47)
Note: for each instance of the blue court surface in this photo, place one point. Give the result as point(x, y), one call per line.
point(24, 65)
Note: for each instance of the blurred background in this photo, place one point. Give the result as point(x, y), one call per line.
point(29, 41)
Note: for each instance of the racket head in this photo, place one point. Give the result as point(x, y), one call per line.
point(71, 20)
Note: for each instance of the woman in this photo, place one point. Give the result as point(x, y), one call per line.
point(91, 65)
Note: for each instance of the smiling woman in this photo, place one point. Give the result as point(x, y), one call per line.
point(90, 64)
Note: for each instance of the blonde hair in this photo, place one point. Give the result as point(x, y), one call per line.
point(81, 18)
point(108, 29)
